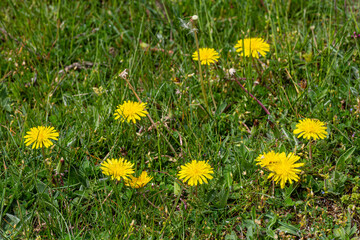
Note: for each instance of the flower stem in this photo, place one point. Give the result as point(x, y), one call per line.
point(200, 72)
point(43, 153)
point(257, 68)
point(115, 186)
point(149, 117)
point(112, 148)
point(262, 105)
point(48, 166)
point(310, 152)
point(134, 129)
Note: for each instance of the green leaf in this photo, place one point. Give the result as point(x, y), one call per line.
point(220, 109)
point(287, 228)
point(339, 233)
point(223, 197)
point(14, 220)
point(341, 162)
point(227, 176)
point(270, 233)
point(231, 236)
point(289, 202)
point(177, 188)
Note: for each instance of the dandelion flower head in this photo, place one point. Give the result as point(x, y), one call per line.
point(268, 160)
point(311, 128)
point(40, 137)
point(196, 172)
point(207, 56)
point(138, 182)
point(130, 111)
point(286, 169)
point(117, 168)
point(253, 47)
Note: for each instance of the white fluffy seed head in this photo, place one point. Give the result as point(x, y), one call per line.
point(232, 71)
point(194, 18)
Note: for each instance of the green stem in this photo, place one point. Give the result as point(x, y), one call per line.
point(257, 68)
point(310, 153)
point(115, 185)
point(134, 130)
point(47, 166)
point(43, 153)
point(149, 117)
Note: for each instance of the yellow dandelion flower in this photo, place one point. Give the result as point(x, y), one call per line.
point(253, 47)
point(207, 56)
point(196, 171)
point(267, 160)
point(40, 137)
point(117, 168)
point(138, 182)
point(286, 169)
point(130, 111)
point(311, 128)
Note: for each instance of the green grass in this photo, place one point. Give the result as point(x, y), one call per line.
point(312, 71)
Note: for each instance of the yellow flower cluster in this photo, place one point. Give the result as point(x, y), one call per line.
point(252, 47)
point(207, 56)
point(40, 137)
point(282, 167)
point(196, 172)
point(311, 128)
point(115, 168)
point(130, 111)
point(248, 47)
point(122, 169)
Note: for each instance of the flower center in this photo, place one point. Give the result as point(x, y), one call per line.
point(196, 172)
point(284, 169)
point(311, 128)
point(41, 136)
point(119, 170)
point(205, 56)
point(129, 112)
point(250, 45)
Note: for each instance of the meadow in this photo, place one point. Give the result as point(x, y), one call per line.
point(159, 120)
